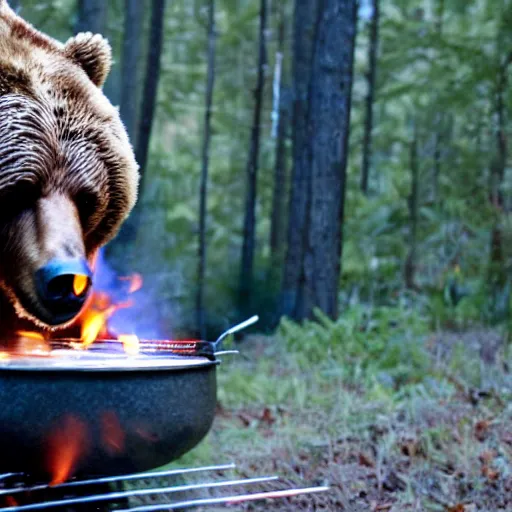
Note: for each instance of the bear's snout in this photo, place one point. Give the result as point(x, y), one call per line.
point(63, 287)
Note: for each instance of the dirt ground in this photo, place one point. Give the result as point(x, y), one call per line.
point(444, 444)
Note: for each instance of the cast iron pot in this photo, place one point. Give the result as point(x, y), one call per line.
point(58, 421)
point(88, 414)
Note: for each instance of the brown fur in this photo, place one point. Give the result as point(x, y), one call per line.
point(68, 176)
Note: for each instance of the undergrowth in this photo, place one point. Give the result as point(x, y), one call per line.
point(374, 404)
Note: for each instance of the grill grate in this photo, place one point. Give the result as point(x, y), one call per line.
point(45, 497)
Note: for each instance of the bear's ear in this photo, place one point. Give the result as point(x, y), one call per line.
point(92, 53)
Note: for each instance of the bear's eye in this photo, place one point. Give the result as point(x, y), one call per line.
point(87, 205)
point(17, 199)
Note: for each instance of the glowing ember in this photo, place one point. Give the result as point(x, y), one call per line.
point(80, 284)
point(131, 343)
point(66, 445)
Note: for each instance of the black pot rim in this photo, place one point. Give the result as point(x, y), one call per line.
point(118, 366)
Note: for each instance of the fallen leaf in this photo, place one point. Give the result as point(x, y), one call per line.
point(457, 508)
point(487, 456)
point(482, 429)
point(366, 461)
point(267, 417)
point(383, 507)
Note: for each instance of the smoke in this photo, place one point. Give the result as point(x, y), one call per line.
point(147, 317)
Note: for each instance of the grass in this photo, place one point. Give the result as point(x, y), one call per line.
point(391, 416)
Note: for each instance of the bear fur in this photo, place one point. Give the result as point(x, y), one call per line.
point(68, 176)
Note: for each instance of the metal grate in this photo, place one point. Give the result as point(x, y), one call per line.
point(45, 497)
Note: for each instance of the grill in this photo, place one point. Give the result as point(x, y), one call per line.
point(119, 492)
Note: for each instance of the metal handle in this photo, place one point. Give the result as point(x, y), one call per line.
point(236, 328)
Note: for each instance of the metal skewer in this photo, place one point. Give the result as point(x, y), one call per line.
point(228, 500)
point(113, 479)
point(115, 496)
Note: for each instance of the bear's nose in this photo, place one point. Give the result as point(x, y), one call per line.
point(63, 287)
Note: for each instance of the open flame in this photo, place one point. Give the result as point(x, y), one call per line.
point(68, 442)
point(93, 321)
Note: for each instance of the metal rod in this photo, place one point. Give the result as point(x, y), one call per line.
point(237, 328)
point(228, 500)
point(112, 479)
point(114, 496)
point(227, 353)
point(5, 476)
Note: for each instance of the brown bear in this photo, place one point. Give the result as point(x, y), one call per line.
point(68, 176)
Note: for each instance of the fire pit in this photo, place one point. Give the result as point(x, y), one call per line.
point(77, 426)
point(101, 412)
point(82, 416)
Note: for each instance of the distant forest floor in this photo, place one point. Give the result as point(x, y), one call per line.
point(442, 443)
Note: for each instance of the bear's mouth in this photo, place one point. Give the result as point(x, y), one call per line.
point(30, 309)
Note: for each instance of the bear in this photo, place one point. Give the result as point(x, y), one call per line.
point(68, 174)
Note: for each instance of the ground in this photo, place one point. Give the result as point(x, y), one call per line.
point(437, 436)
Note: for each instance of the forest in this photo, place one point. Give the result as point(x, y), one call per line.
point(340, 168)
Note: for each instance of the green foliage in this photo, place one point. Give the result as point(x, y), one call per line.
point(385, 342)
point(440, 74)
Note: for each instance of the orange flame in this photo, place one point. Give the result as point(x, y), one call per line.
point(67, 444)
point(80, 284)
point(29, 342)
point(94, 320)
point(31, 335)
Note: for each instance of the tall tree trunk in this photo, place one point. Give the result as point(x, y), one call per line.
point(92, 16)
point(150, 91)
point(210, 85)
point(370, 97)
point(331, 98)
point(134, 15)
point(117, 250)
point(497, 270)
point(411, 261)
point(305, 16)
point(277, 221)
point(439, 118)
point(247, 267)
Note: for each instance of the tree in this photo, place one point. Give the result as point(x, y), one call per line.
point(134, 15)
point(202, 249)
point(305, 16)
point(439, 116)
point(370, 97)
point(330, 96)
point(277, 221)
point(498, 275)
point(321, 153)
point(413, 202)
point(249, 231)
point(150, 91)
point(92, 16)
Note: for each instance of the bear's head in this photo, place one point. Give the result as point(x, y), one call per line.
point(68, 176)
